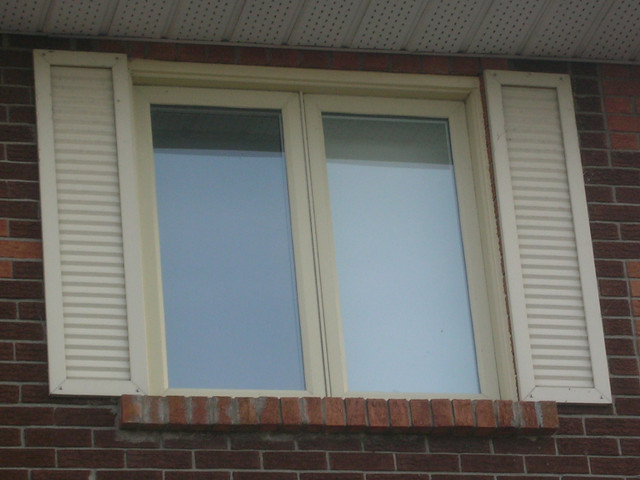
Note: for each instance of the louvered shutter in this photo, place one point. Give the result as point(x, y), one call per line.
point(552, 290)
point(90, 225)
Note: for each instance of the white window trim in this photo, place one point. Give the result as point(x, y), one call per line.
point(433, 87)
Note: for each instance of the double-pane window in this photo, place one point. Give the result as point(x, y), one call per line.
point(311, 244)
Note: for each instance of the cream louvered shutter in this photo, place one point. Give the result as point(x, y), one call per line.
point(551, 282)
point(90, 224)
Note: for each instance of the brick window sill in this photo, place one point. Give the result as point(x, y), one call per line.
point(437, 417)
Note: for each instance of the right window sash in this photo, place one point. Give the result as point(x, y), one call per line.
point(395, 345)
point(548, 258)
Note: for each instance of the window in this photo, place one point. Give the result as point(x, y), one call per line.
point(342, 188)
point(324, 257)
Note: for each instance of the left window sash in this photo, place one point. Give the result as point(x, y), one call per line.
point(167, 319)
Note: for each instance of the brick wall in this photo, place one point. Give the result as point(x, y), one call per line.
point(77, 438)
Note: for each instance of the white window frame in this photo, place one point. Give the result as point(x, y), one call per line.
point(455, 99)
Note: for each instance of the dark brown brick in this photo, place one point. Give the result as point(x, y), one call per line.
point(625, 386)
point(164, 459)
point(543, 66)
point(492, 463)
point(129, 475)
point(330, 443)
point(376, 62)
point(345, 61)
point(394, 443)
point(620, 346)
point(21, 331)
point(564, 464)
point(17, 133)
point(15, 95)
point(31, 352)
point(264, 476)
point(614, 466)
point(57, 437)
point(122, 439)
point(27, 270)
point(613, 288)
point(612, 426)
point(212, 476)
point(609, 268)
point(192, 53)
point(588, 104)
point(279, 57)
point(604, 231)
point(525, 445)
point(294, 460)
point(361, 461)
point(427, 462)
point(59, 474)
point(207, 476)
point(590, 122)
point(222, 459)
point(464, 66)
point(594, 158)
point(27, 457)
point(314, 59)
point(93, 417)
point(611, 176)
point(10, 437)
point(450, 444)
point(94, 458)
point(31, 311)
point(436, 64)
point(587, 446)
point(405, 63)
point(23, 372)
point(23, 153)
point(9, 393)
point(586, 86)
point(21, 209)
point(627, 406)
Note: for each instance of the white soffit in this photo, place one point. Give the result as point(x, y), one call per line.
point(20, 16)
point(570, 29)
point(266, 22)
point(142, 18)
point(506, 26)
point(88, 16)
point(386, 24)
point(619, 33)
point(326, 23)
point(445, 25)
point(554, 36)
point(203, 20)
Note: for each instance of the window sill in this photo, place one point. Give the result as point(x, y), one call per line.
point(437, 417)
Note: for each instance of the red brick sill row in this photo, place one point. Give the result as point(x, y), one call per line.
point(438, 417)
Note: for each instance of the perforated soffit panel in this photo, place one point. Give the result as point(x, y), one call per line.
point(571, 29)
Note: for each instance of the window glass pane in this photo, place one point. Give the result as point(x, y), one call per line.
point(229, 288)
point(404, 302)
